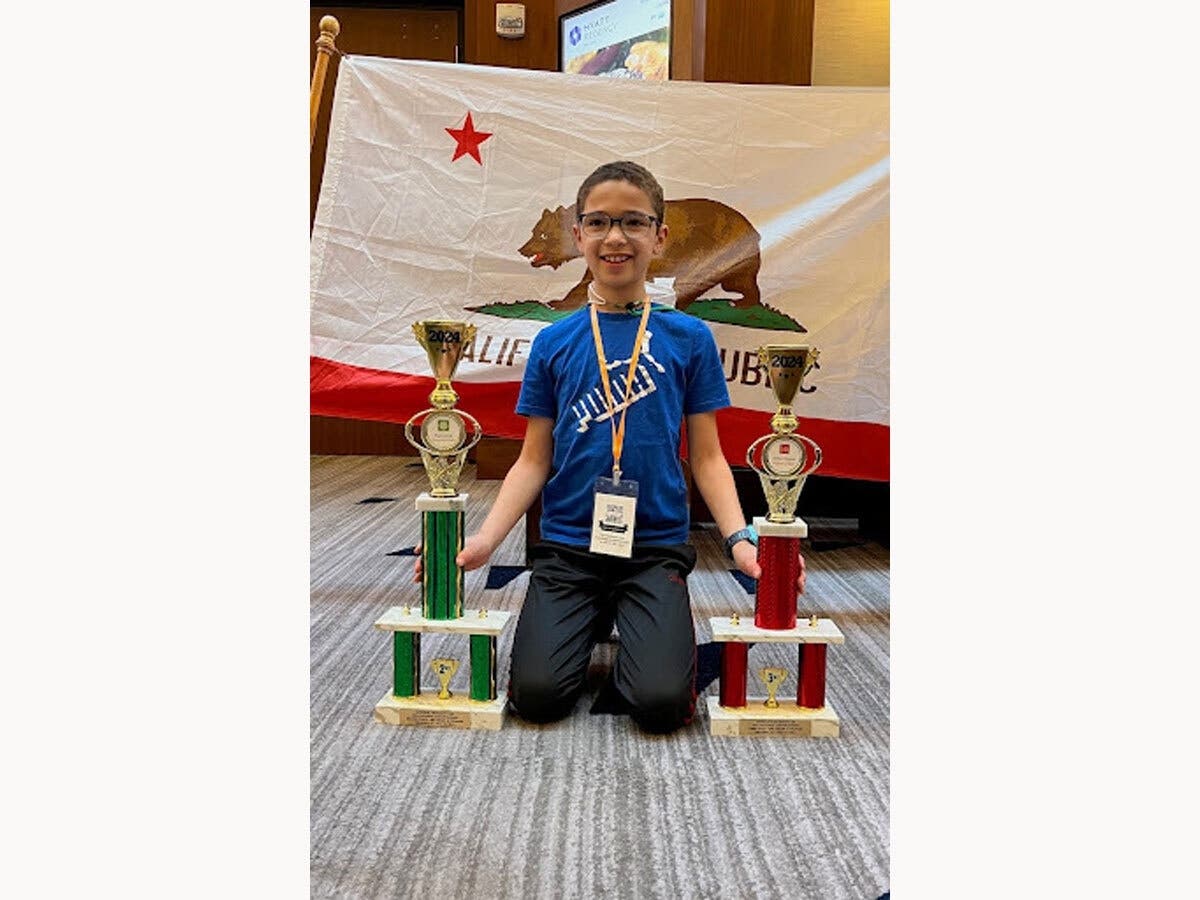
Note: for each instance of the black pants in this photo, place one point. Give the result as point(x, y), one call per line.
point(574, 597)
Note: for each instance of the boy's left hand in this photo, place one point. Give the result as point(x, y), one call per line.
point(745, 556)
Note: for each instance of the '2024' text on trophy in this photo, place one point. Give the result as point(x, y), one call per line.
point(783, 460)
point(443, 435)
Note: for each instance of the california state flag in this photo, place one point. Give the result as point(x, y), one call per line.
point(449, 191)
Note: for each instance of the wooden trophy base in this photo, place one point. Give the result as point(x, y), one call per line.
point(427, 711)
point(786, 720)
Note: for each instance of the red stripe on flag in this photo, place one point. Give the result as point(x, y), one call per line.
point(352, 392)
point(849, 449)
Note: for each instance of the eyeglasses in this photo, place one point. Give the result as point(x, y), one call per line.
point(633, 225)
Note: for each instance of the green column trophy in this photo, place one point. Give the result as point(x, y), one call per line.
point(783, 460)
point(443, 435)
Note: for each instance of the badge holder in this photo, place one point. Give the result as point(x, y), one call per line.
point(614, 511)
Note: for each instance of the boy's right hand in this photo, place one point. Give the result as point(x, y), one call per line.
point(475, 552)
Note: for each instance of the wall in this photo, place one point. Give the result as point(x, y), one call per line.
point(852, 43)
point(765, 42)
point(537, 50)
point(712, 40)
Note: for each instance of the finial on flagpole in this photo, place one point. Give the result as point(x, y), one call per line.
point(329, 28)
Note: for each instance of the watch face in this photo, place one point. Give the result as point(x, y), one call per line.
point(783, 456)
point(443, 431)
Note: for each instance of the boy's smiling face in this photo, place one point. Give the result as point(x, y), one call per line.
point(617, 262)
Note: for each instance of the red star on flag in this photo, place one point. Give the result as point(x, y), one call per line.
point(468, 140)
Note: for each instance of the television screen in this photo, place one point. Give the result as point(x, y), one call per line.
point(617, 39)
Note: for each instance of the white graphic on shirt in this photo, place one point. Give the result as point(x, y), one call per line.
point(593, 408)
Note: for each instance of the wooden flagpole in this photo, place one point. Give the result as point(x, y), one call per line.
point(325, 48)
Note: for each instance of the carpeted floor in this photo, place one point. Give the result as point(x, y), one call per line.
point(590, 806)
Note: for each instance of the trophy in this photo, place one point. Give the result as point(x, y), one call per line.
point(772, 677)
point(443, 445)
point(443, 435)
point(444, 669)
point(783, 460)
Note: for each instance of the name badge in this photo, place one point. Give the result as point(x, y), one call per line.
point(614, 509)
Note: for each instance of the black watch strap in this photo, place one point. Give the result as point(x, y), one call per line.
point(745, 534)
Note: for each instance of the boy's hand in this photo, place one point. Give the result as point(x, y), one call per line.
point(475, 552)
point(745, 555)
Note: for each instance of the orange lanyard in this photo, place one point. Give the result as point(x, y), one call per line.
point(618, 434)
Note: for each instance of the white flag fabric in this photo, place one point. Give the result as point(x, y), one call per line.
point(449, 191)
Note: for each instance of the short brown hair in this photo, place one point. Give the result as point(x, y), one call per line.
point(623, 170)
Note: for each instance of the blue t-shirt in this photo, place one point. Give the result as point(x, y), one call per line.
point(679, 373)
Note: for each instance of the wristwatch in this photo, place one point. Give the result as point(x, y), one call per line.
point(746, 534)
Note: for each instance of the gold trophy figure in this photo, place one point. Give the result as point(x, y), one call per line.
point(444, 669)
point(772, 678)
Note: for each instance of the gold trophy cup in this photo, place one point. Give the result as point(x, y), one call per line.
point(444, 669)
point(444, 439)
point(772, 678)
point(784, 459)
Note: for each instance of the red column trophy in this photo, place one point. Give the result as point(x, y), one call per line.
point(443, 442)
point(783, 460)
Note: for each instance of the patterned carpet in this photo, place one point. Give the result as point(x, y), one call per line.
point(589, 806)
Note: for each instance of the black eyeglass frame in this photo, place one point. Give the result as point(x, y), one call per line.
point(619, 221)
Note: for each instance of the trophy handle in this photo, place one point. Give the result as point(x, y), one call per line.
point(444, 467)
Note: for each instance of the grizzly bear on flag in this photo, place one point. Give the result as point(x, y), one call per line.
point(709, 244)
